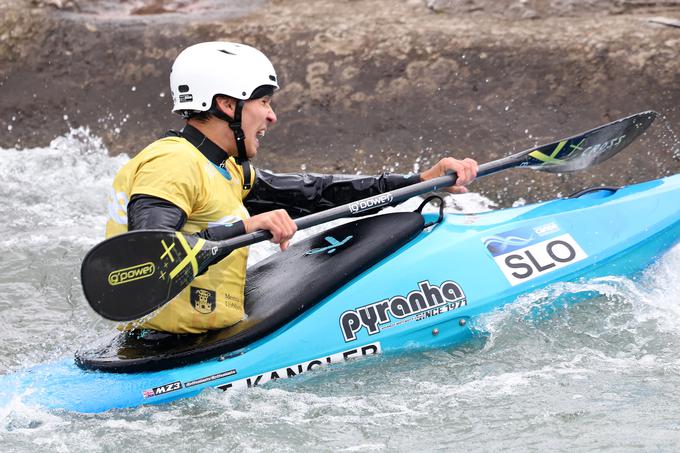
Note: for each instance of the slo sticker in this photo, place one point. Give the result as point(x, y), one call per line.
point(524, 254)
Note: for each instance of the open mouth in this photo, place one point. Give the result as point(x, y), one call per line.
point(261, 133)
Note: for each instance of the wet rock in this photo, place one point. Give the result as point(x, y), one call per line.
point(539, 9)
point(367, 85)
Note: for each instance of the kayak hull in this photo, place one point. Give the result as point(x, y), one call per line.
point(425, 295)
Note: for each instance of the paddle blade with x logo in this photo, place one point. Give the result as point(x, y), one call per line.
point(588, 148)
point(130, 275)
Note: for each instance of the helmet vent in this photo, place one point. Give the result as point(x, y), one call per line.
point(227, 52)
point(183, 88)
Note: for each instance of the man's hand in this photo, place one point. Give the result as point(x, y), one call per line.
point(466, 170)
point(277, 222)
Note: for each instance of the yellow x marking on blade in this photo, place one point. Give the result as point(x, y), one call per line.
point(549, 159)
point(191, 255)
point(576, 147)
point(167, 250)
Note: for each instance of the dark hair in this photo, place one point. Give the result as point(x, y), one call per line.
point(202, 116)
point(196, 115)
point(259, 92)
point(262, 91)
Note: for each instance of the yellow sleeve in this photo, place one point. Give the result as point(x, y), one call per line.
point(171, 175)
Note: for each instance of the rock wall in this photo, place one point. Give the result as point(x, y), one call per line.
point(367, 84)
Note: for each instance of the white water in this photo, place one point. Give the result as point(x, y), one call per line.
point(599, 375)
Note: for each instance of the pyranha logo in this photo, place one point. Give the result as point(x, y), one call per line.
point(203, 300)
point(438, 299)
point(129, 274)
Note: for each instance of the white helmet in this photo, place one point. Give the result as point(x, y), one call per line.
point(204, 70)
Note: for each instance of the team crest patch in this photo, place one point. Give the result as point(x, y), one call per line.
point(203, 300)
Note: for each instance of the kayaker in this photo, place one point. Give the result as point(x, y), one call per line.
point(200, 181)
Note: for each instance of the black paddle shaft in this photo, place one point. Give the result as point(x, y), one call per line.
point(130, 275)
point(570, 154)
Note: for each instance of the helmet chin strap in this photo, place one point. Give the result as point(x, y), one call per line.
point(239, 136)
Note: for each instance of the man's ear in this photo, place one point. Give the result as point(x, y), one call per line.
point(226, 104)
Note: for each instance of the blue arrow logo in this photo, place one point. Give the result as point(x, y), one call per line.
point(334, 244)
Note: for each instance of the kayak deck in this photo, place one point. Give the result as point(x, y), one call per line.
point(278, 289)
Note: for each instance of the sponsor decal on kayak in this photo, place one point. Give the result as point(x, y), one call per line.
point(524, 254)
point(508, 241)
point(370, 203)
point(332, 248)
point(294, 370)
point(212, 377)
point(129, 274)
point(428, 300)
point(162, 390)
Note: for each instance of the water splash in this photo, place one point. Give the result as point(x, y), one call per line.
point(670, 139)
point(544, 372)
point(57, 190)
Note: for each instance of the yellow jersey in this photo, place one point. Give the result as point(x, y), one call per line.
point(173, 169)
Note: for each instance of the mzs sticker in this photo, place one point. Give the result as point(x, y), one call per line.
point(426, 301)
point(162, 390)
point(294, 370)
point(527, 253)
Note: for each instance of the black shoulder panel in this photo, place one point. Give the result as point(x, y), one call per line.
point(278, 289)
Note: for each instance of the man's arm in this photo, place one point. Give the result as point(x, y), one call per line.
point(152, 213)
point(306, 193)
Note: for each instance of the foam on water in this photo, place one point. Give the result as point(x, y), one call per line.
point(57, 190)
point(543, 374)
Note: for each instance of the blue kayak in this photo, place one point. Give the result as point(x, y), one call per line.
point(381, 285)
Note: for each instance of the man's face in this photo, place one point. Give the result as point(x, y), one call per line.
point(257, 115)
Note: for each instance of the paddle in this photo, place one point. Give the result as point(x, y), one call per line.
point(130, 275)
